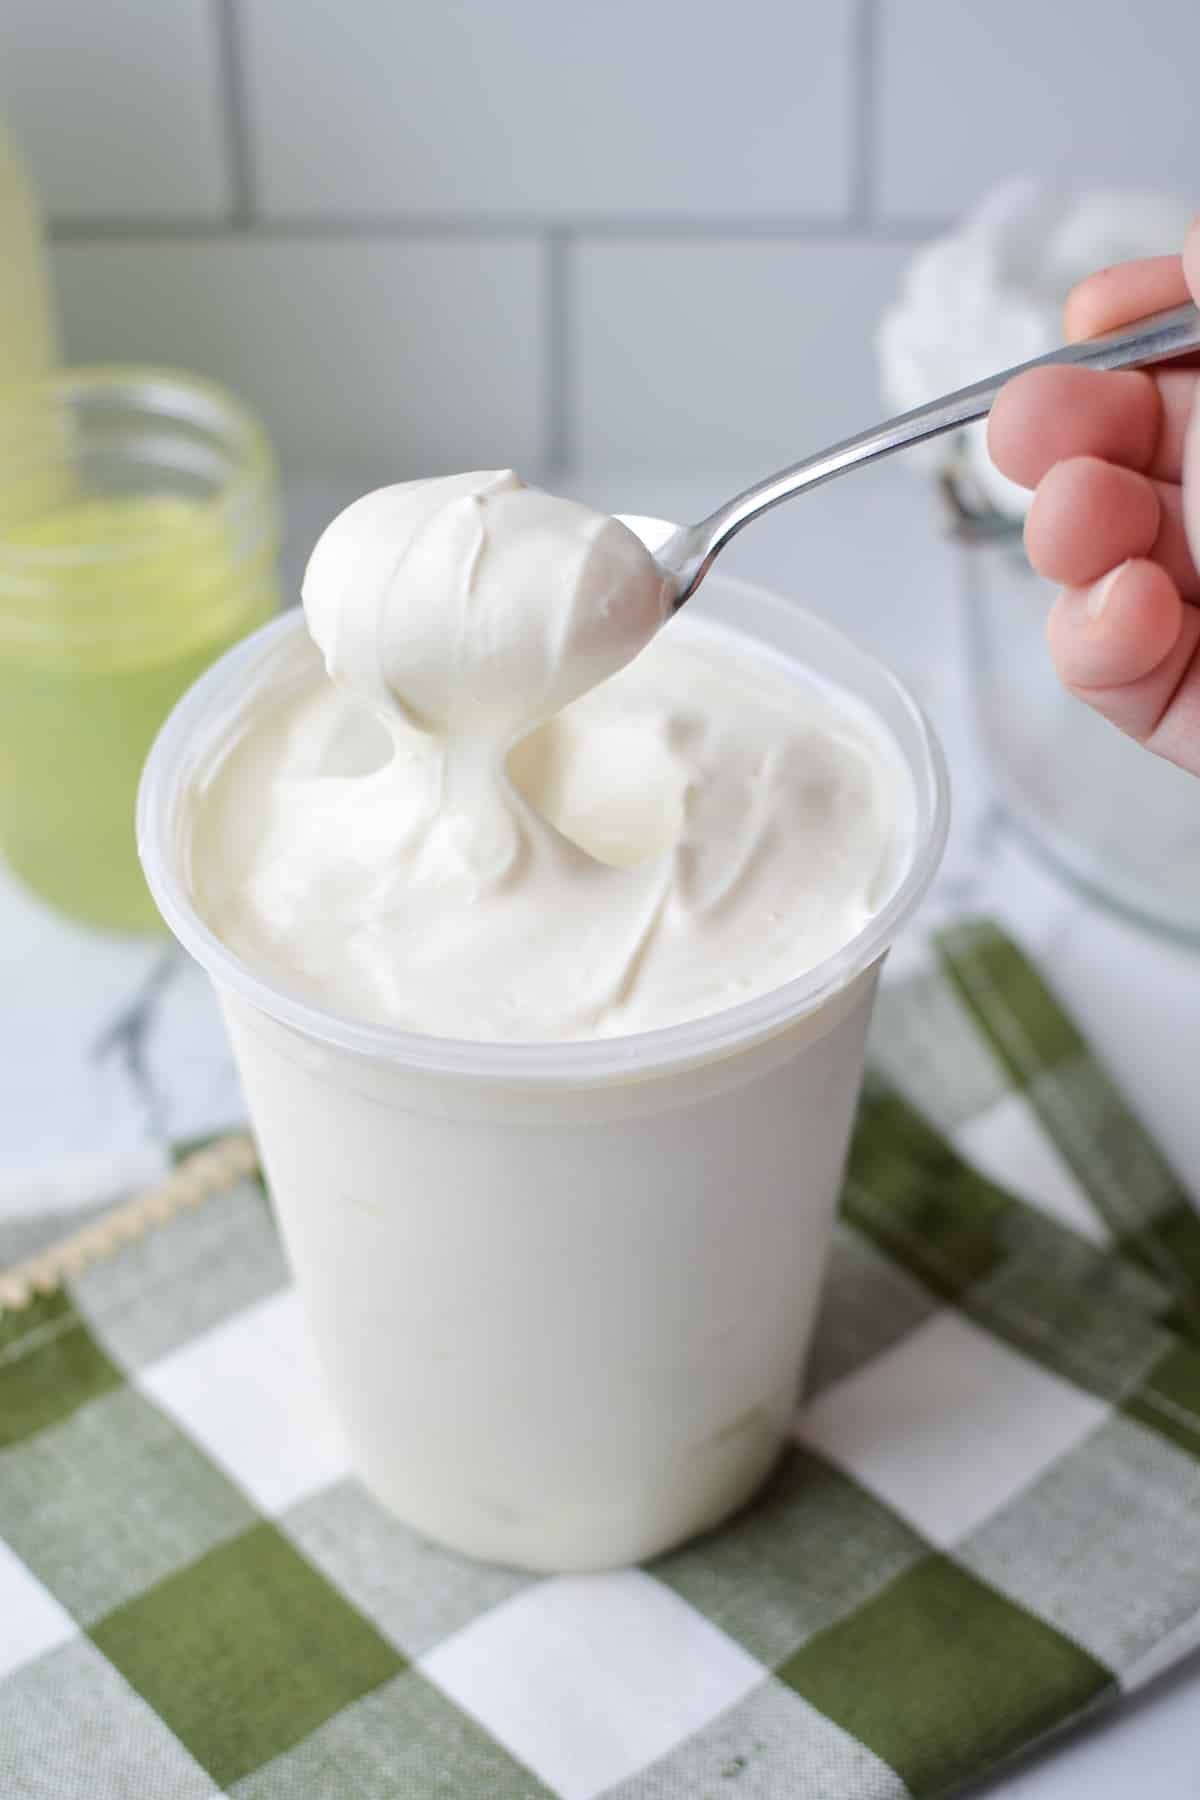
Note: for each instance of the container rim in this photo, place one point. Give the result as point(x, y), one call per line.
point(558, 1064)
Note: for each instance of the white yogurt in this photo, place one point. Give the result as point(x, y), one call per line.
point(436, 839)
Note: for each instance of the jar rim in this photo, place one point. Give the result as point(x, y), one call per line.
point(169, 394)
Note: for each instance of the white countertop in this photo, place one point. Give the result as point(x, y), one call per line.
point(119, 1049)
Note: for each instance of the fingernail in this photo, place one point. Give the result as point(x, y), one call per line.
point(1099, 593)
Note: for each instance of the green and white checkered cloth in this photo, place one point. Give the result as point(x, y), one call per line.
point(990, 1521)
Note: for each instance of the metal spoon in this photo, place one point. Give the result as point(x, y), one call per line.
point(685, 553)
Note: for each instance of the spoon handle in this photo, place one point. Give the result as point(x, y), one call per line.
point(1155, 339)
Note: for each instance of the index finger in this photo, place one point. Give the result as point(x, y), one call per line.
point(1127, 291)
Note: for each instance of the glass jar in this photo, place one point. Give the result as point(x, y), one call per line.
point(138, 540)
point(1120, 822)
point(27, 333)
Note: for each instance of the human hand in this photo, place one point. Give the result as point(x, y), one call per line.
point(1115, 460)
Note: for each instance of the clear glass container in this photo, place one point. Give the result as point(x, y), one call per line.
point(138, 540)
point(1123, 824)
point(28, 349)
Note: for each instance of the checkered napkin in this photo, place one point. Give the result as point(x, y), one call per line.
point(990, 1521)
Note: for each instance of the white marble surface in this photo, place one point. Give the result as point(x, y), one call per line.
point(115, 1047)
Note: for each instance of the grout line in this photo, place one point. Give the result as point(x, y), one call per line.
point(237, 115)
point(866, 102)
point(558, 340)
point(404, 229)
point(139, 230)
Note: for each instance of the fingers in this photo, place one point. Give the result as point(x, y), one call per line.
point(1176, 735)
point(1126, 292)
point(1177, 399)
point(1130, 647)
point(1106, 454)
point(1110, 636)
point(1172, 547)
point(1042, 418)
point(1134, 419)
point(1191, 260)
point(1087, 516)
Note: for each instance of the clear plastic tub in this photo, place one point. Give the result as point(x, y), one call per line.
point(562, 1292)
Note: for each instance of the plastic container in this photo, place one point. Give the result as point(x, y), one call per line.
point(138, 540)
point(562, 1292)
point(1122, 824)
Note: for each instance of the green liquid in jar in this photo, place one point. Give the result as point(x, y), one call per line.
point(135, 596)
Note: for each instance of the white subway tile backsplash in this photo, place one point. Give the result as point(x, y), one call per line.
point(473, 107)
point(724, 355)
point(644, 234)
point(1093, 90)
point(118, 105)
point(396, 359)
